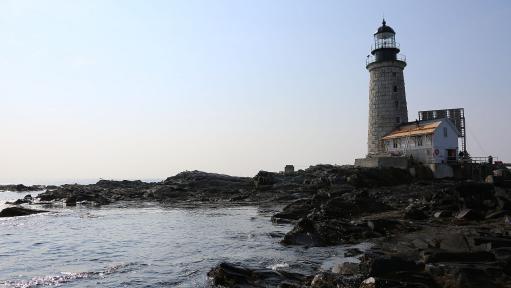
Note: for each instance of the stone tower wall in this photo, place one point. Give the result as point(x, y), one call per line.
point(387, 102)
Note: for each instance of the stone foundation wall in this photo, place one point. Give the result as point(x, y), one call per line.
point(383, 162)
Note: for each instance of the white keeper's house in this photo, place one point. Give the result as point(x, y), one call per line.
point(429, 142)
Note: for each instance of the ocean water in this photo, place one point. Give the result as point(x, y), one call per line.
point(144, 245)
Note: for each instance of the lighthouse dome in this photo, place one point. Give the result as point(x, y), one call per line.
point(385, 29)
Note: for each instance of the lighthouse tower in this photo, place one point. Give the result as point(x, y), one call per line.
point(387, 98)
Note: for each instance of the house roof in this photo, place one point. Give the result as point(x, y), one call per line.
point(412, 129)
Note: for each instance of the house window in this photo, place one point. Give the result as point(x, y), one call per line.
point(394, 143)
point(394, 74)
point(396, 103)
point(398, 120)
point(429, 139)
point(395, 88)
point(445, 131)
point(419, 140)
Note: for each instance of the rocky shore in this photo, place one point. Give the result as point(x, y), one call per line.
point(21, 188)
point(426, 233)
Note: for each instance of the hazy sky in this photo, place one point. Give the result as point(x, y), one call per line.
point(145, 89)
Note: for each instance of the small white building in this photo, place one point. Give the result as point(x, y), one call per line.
point(429, 142)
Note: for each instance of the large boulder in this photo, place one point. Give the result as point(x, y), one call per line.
point(477, 196)
point(71, 194)
point(264, 178)
point(26, 200)
point(433, 256)
point(350, 205)
point(385, 265)
point(322, 232)
point(377, 177)
point(18, 211)
point(230, 275)
point(375, 282)
point(294, 211)
point(415, 212)
point(112, 184)
point(209, 183)
point(324, 280)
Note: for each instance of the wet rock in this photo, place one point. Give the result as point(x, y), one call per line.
point(309, 232)
point(294, 211)
point(324, 280)
point(433, 256)
point(333, 280)
point(351, 205)
point(474, 277)
point(167, 192)
point(468, 214)
point(453, 242)
point(304, 233)
point(497, 214)
point(496, 242)
point(375, 282)
point(113, 184)
point(385, 265)
point(442, 214)
point(71, 200)
point(424, 173)
point(503, 197)
point(26, 200)
point(476, 196)
point(276, 234)
point(351, 252)
point(353, 179)
point(239, 198)
point(18, 211)
point(413, 212)
point(347, 268)
point(386, 226)
point(75, 193)
point(377, 177)
point(230, 275)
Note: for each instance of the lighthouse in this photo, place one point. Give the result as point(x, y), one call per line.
point(387, 97)
point(394, 142)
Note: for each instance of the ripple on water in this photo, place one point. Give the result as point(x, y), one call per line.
point(162, 246)
point(66, 277)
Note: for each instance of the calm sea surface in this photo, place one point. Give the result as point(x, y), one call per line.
point(148, 245)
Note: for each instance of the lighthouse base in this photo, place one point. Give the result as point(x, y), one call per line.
point(383, 162)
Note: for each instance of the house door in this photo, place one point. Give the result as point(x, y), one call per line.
point(451, 155)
